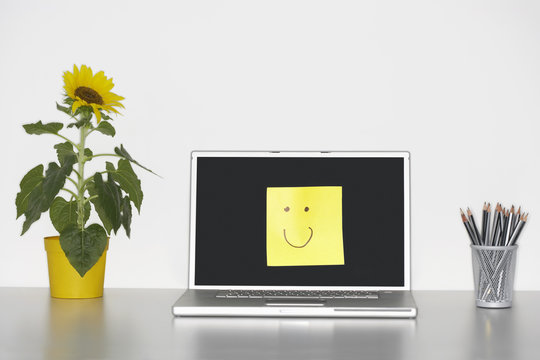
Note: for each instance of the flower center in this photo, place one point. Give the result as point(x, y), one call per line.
point(89, 95)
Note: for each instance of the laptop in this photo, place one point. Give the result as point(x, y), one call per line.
point(299, 234)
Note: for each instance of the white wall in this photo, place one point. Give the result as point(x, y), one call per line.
point(457, 83)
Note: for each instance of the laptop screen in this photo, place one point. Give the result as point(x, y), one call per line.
point(315, 221)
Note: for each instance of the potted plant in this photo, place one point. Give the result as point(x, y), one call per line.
point(76, 257)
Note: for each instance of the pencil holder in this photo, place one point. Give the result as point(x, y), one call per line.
point(493, 272)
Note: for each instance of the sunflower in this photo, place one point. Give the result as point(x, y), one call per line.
point(91, 90)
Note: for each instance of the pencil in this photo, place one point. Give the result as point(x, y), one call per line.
point(519, 228)
point(473, 225)
point(467, 227)
point(518, 219)
point(483, 235)
point(504, 224)
point(488, 219)
point(511, 224)
point(496, 225)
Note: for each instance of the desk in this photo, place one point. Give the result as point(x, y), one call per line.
point(137, 324)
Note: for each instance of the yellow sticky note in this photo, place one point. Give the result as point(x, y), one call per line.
point(304, 226)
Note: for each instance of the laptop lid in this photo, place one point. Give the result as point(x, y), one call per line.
point(300, 220)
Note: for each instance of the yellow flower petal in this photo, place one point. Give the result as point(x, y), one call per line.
point(113, 97)
point(69, 84)
point(83, 102)
point(83, 76)
point(75, 106)
point(113, 110)
point(96, 112)
point(68, 79)
point(75, 77)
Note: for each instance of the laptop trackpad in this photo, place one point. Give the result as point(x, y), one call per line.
point(295, 302)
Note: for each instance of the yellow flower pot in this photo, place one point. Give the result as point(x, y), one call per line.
point(65, 281)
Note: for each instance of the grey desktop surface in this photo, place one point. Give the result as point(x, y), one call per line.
point(138, 324)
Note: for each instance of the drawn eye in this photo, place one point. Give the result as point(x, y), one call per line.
point(306, 209)
point(287, 209)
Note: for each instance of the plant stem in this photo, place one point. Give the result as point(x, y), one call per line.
point(90, 198)
point(69, 191)
point(72, 181)
point(80, 177)
point(65, 138)
point(96, 155)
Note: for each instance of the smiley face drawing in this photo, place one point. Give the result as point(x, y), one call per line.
point(304, 226)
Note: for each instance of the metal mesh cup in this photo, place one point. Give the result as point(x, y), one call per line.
point(493, 271)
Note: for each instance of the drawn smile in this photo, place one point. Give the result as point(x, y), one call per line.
point(296, 246)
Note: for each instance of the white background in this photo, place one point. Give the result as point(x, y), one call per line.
point(456, 83)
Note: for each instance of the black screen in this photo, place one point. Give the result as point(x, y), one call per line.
point(231, 220)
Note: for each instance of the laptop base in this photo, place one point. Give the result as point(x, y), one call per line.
point(391, 304)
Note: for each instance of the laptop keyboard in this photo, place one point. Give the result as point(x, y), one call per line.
point(296, 294)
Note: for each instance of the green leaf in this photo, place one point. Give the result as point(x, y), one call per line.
point(79, 123)
point(109, 194)
point(64, 150)
point(55, 177)
point(69, 101)
point(40, 128)
point(106, 128)
point(64, 109)
point(126, 215)
point(30, 181)
point(36, 205)
point(88, 153)
point(99, 207)
point(41, 197)
point(123, 152)
point(105, 116)
point(128, 180)
point(83, 247)
point(64, 213)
